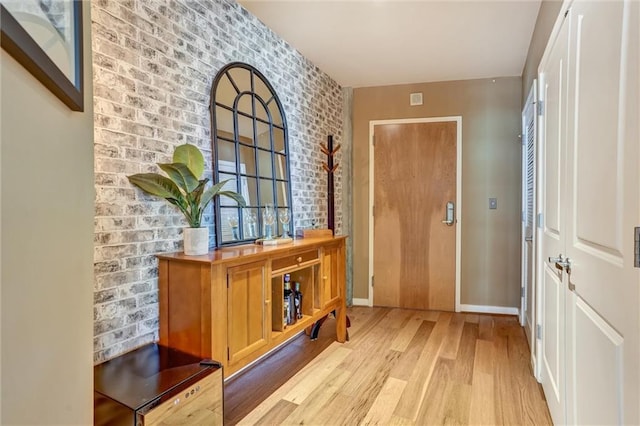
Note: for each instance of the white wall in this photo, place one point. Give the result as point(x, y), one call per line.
point(549, 10)
point(47, 250)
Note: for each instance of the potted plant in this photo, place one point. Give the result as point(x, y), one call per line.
point(185, 189)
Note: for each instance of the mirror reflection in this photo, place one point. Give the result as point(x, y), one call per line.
point(250, 149)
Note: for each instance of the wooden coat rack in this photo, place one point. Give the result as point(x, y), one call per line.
point(330, 167)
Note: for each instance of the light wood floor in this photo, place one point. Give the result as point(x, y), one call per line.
point(414, 368)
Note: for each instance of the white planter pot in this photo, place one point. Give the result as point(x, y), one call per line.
point(196, 241)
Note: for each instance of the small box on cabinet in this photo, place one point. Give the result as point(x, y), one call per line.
point(313, 233)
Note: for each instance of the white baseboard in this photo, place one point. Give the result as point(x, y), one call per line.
point(479, 309)
point(483, 309)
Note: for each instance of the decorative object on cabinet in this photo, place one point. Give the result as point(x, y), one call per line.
point(185, 189)
point(155, 385)
point(47, 41)
point(269, 218)
point(250, 151)
point(274, 241)
point(330, 168)
point(313, 233)
point(230, 304)
point(284, 216)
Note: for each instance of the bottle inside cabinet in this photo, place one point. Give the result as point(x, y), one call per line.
point(290, 298)
point(307, 283)
point(289, 301)
point(298, 300)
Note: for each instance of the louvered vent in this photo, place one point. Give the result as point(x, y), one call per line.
point(530, 138)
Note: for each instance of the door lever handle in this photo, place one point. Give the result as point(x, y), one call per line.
point(561, 263)
point(560, 258)
point(449, 214)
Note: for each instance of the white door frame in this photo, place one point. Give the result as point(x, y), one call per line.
point(458, 121)
point(539, 259)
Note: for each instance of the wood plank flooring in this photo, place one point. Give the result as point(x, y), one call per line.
point(404, 367)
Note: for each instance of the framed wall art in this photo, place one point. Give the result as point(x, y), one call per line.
point(45, 37)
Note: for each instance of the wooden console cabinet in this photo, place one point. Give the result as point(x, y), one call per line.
point(228, 305)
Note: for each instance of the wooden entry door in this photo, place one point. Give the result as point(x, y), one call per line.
point(414, 256)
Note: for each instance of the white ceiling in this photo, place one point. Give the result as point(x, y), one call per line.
point(383, 42)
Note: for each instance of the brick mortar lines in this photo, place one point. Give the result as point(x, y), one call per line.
point(133, 131)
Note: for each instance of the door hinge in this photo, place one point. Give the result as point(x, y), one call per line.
point(538, 331)
point(227, 280)
point(539, 220)
point(373, 211)
point(636, 246)
point(372, 280)
point(540, 107)
point(523, 217)
point(228, 356)
point(373, 139)
point(521, 292)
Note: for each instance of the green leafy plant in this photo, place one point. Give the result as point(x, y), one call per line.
point(184, 186)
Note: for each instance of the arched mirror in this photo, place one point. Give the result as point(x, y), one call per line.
point(250, 148)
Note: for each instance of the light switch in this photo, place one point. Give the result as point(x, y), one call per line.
point(493, 203)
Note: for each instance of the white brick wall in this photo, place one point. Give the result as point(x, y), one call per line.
point(154, 62)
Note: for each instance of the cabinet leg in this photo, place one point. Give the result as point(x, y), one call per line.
point(342, 322)
point(315, 328)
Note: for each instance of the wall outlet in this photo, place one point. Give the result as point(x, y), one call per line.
point(493, 203)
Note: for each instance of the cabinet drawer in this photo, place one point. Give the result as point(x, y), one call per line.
point(294, 260)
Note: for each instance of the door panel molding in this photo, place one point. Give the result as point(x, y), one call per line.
point(458, 121)
point(553, 338)
point(596, 343)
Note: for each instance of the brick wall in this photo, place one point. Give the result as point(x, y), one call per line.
point(154, 62)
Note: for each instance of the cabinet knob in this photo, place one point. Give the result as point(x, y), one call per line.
point(324, 277)
point(299, 259)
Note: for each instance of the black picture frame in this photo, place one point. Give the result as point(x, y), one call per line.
point(16, 41)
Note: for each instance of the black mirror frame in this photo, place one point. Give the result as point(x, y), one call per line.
point(214, 149)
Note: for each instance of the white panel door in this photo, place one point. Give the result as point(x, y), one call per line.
point(552, 174)
point(602, 209)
